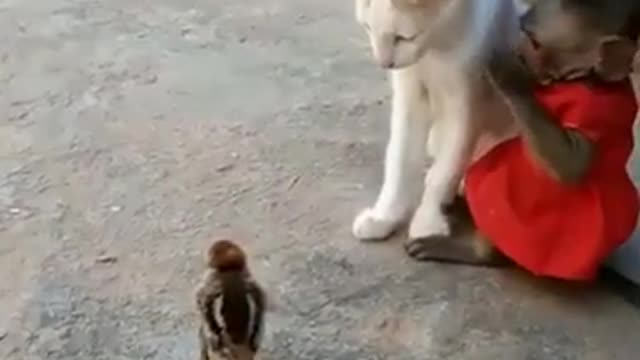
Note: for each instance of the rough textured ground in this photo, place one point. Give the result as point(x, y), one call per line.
point(132, 132)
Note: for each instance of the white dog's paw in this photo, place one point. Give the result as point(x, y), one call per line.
point(369, 226)
point(425, 224)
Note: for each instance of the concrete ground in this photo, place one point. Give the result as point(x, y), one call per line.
point(132, 133)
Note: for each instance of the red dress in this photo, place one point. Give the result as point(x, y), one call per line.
point(551, 229)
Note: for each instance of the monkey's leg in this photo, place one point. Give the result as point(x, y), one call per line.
point(404, 160)
point(456, 250)
point(464, 246)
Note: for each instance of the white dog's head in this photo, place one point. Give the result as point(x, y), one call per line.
point(399, 30)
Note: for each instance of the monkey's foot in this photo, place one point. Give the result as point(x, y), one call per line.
point(457, 249)
point(439, 248)
point(369, 226)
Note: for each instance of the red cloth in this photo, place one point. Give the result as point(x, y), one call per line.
point(551, 229)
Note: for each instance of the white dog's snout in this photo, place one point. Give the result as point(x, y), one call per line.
point(384, 55)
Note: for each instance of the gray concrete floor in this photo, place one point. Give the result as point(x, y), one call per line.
point(134, 132)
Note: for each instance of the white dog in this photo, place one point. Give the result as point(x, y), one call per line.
point(443, 105)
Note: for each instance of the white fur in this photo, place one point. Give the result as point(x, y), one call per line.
point(442, 104)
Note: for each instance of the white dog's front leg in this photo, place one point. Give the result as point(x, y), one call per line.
point(404, 161)
point(442, 181)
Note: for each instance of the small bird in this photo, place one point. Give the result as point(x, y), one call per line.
point(231, 306)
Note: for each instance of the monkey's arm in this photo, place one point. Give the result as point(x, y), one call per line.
point(566, 154)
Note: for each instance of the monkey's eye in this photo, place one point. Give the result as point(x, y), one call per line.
point(535, 44)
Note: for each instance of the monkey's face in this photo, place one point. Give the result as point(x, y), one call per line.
point(399, 30)
point(557, 43)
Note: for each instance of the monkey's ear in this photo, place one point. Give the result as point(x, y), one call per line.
point(616, 56)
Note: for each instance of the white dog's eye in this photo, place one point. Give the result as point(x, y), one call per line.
point(400, 39)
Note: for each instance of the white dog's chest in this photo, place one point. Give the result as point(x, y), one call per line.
point(449, 87)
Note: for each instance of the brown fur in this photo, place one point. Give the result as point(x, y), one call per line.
point(228, 280)
point(224, 256)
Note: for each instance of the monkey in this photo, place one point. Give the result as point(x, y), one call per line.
point(231, 305)
point(557, 199)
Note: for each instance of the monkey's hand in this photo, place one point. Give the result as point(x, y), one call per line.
point(509, 74)
point(565, 153)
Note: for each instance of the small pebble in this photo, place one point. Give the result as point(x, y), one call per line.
point(107, 259)
point(116, 208)
point(151, 79)
point(224, 168)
